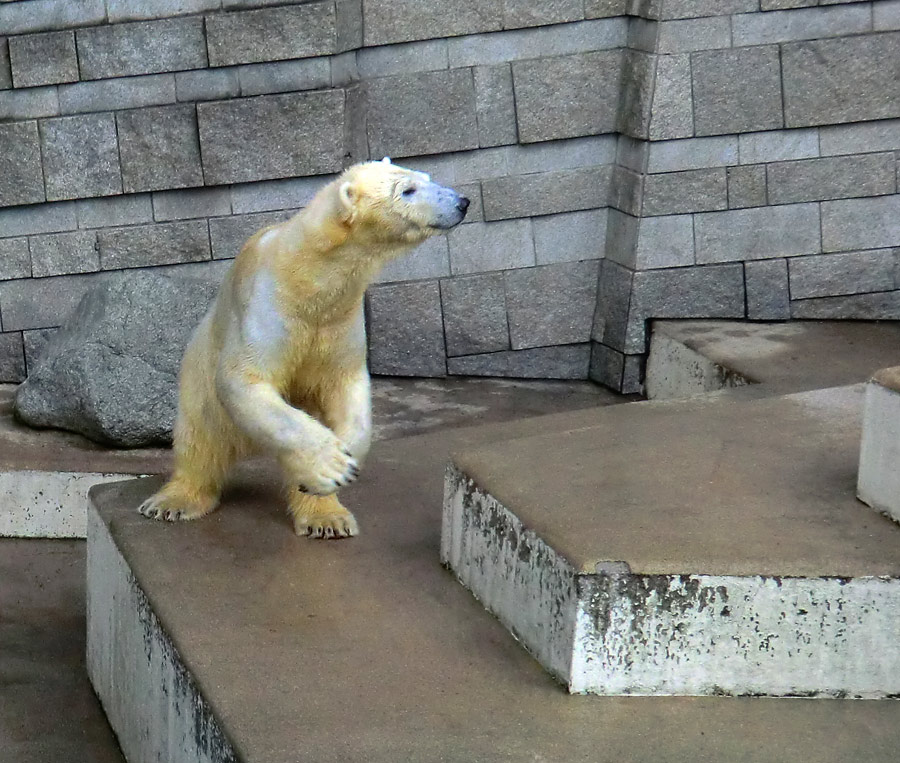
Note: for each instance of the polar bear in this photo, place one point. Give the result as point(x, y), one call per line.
point(278, 364)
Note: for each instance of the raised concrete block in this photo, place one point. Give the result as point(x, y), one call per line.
point(271, 136)
point(832, 81)
point(21, 177)
point(426, 113)
point(143, 47)
point(886, 15)
point(690, 191)
point(832, 178)
point(275, 194)
point(672, 115)
point(879, 480)
point(854, 224)
point(271, 34)
point(158, 244)
point(567, 96)
point(545, 193)
point(676, 371)
point(475, 314)
point(568, 361)
point(768, 293)
point(81, 156)
point(737, 90)
point(388, 21)
point(481, 247)
point(746, 186)
point(406, 330)
point(703, 613)
point(139, 10)
point(119, 93)
point(758, 233)
point(552, 304)
point(637, 84)
point(60, 253)
point(570, 236)
point(159, 148)
point(15, 260)
point(494, 105)
point(683, 9)
point(559, 155)
point(43, 59)
point(827, 275)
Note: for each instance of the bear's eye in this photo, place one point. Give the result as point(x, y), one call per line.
point(409, 191)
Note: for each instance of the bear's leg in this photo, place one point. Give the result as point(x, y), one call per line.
point(320, 516)
point(205, 448)
point(347, 411)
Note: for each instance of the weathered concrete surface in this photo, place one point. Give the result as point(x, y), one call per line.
point(784, 357)
point(740, 562)
point(879, 455)
point(48, 712)
point(369, 650)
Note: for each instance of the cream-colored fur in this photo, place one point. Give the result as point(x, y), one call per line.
point(279, 363)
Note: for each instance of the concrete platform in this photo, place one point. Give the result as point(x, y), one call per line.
point(368, 650)
point(696, 357)
point(687, 548)
point(879, 457)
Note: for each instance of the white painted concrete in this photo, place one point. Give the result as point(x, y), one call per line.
point(42, 504)
point(879, 456)
point(150, 698)
point(673, 634)
point(675, 371)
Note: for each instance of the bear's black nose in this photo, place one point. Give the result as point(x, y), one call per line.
point(463, 203)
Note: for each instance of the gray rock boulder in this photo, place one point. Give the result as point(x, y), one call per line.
point(111, 372)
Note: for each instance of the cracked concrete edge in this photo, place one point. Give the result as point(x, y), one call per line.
point(610, 632)
point(47, 504)
point(675, 371)
point(150, 697)
point(878, 483)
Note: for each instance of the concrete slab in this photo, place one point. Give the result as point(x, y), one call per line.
point(695, 357)
point(368, 650)
point(687, 549)
point(879, 456)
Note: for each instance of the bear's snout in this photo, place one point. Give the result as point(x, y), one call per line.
point(463, 204)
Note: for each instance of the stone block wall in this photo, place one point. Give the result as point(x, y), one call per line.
point(626, 159)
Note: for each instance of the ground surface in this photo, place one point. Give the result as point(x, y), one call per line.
point(368, 650)
point(48, 712)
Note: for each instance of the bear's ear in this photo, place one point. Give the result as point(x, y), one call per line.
point(348, 195)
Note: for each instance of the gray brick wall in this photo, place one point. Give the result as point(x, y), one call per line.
point(626, 159)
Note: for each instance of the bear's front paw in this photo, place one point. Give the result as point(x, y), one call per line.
point(332, 468)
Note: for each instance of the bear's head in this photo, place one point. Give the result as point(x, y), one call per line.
point(386, 203)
